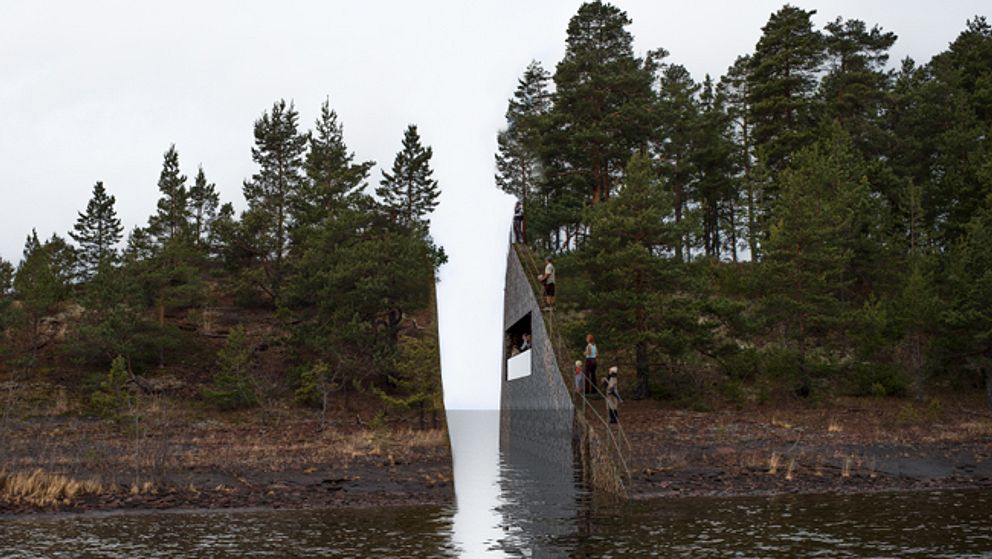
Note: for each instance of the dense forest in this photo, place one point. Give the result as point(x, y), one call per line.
point(315, 288)
point(815, 222)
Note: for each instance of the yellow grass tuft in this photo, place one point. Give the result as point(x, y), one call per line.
point(790, 469)
point(42, 489)
point(782, 424)
point(834, 427)
point(773, 462)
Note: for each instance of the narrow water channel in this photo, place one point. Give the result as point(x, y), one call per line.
point(509, 505)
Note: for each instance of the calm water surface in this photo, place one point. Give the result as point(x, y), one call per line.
point(507, 506)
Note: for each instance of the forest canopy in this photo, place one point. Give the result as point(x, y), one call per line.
point(812, 222)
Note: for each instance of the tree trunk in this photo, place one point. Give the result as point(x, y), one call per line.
point(643, 390)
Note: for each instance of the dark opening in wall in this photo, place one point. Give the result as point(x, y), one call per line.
point(518, 337)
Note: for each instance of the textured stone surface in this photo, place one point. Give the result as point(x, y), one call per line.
point(536, 412)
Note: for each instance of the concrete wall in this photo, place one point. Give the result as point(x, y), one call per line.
point(536, 411)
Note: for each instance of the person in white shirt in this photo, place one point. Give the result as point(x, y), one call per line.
point(548, 279)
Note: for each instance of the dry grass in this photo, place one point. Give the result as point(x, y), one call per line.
point(789, 471)
point(773, 463)
point(781, 424)
point(43, 489)
point(834, 427)
point(845, 472)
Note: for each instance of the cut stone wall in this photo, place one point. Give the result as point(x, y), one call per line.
point(536, 411)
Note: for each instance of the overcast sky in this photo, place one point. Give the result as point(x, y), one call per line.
point(98, 90)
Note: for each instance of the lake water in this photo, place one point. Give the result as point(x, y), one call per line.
point(509, 507)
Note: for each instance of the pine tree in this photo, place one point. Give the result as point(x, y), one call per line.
point(113, 320)
point(717, 169)
point(203, 203)
point(968, 319)
point(171, 218)
point(409, 194)
point(7, 314)
point(679, 121)
point(417, 382)
point(856, 87)
point(628, 277)
point(333, 176)
point(233, 387)
point(815, 232)
point(278, 151)
point(783, 81)
point(41, 282)
point(518, 163)
point(735, 89)
point(602, 104)
point(358, 276)
point(97, 231)
point(953, 136)
point(6, 277)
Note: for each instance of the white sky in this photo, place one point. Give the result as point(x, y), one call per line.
point(97, 90)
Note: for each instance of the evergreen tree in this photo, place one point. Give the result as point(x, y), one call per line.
point(6, 278)
point(97, 231)
point(409, 194)
point(203, 203)
point(519, 169)
point(41, 282)
point(278, 151)
point(113, 321)
point(632, 282)
point(232, 387)
point(602, 105)
point(815, 231)
point(717, 169)
point(855, 88)
point(956, 105)
point(679, 122)
point(171, 218)
point(333, 176)
point(734, 88)
point(783, 81)
point(418, 379)
point(968, 318)
point(358, 276)
point(7, 315)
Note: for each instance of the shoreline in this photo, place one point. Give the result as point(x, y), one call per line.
point(847, 447)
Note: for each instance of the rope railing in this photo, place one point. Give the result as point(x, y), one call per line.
point(561, 350)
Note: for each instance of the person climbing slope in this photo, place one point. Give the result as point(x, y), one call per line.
point(548, 280)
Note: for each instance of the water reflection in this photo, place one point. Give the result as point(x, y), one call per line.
point(515, 497)
point(476, 524)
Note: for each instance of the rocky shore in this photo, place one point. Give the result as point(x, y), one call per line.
point(858, 445)
point(178, 457)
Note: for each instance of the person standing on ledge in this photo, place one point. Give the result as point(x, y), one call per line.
point(518, 223)
point(580, 378)
point(548, 279)
point(612, 395)
point(591, 353)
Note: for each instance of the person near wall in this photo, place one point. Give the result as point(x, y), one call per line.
point(527, 343)
point(612, 395)
point(548, 279)
point(518, 223)
point(580, 377)
point(591, 353)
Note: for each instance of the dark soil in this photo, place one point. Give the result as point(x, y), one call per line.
point(857, 445)
point(180, 455)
